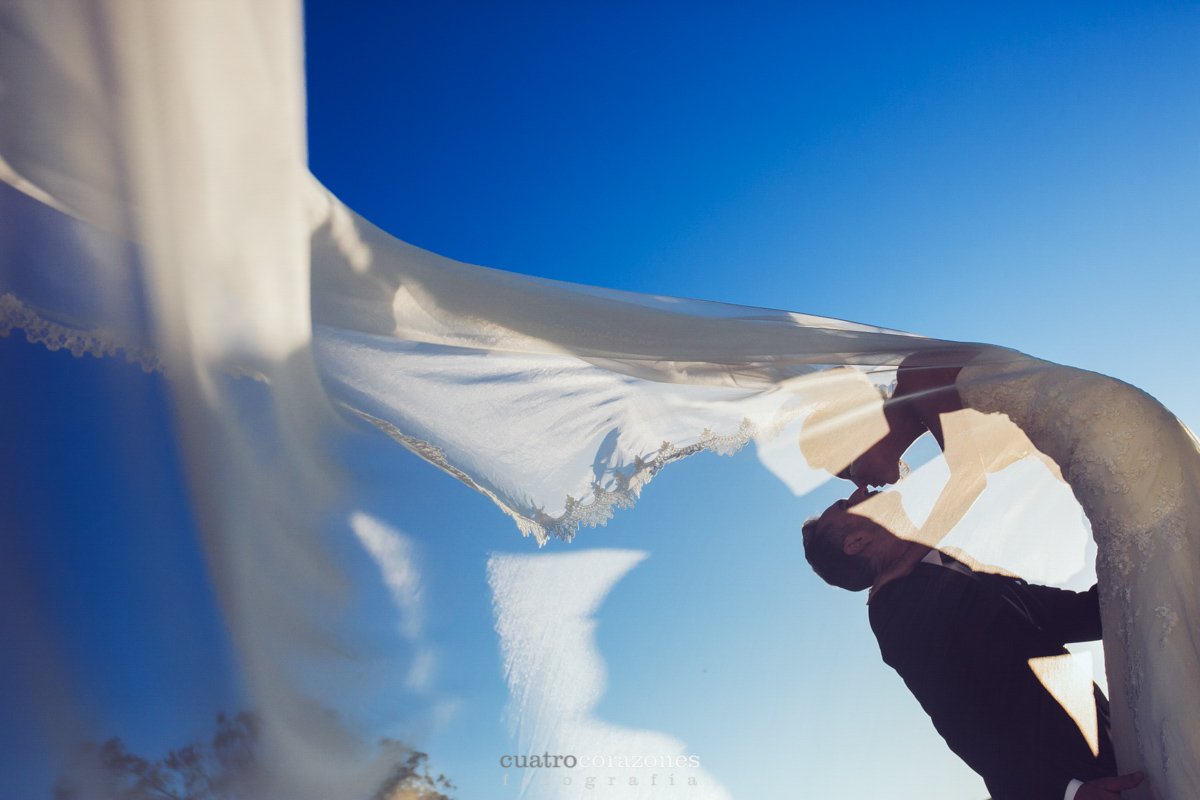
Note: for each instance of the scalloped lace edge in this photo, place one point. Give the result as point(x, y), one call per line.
point(590, 513)
point(97, 343)
point(53, 336)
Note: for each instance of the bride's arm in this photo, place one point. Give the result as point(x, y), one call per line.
point(976, 445)
point(966, 481)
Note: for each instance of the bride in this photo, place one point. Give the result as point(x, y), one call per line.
point(1135, 470)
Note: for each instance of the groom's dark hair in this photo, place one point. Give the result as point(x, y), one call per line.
point(823, 537)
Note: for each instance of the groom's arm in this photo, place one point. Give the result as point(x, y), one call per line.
point(1065, 615)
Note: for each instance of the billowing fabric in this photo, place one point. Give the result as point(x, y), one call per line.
point(152, 205)
point(611, 386)
point(155, 205)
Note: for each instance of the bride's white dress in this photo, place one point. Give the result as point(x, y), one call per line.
point(1135, 469)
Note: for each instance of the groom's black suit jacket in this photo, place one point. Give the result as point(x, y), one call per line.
point(962, 642)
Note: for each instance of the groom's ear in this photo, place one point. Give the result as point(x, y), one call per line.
point(854, 542)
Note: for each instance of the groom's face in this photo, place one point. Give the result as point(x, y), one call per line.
point(852, 526)
point(862, 536)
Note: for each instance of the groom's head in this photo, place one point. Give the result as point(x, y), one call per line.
point(846, 549)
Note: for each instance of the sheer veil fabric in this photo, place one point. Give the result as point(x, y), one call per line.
point(155, 205)
point(152, 158)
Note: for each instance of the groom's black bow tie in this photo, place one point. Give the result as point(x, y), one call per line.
point(953, 563)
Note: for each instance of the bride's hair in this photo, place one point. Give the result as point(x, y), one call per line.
point(823, 537)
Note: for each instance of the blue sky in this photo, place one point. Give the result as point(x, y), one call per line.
point(1014, 173)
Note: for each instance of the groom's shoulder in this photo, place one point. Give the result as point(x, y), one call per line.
point(930, 600)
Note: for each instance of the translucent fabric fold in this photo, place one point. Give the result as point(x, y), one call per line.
point(155, 204)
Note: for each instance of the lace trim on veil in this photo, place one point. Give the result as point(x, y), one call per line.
point(577, 513)
point(591, 512)
point(97, 343)
point(54, 336)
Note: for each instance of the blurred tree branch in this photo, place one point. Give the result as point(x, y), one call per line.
point(224, 768)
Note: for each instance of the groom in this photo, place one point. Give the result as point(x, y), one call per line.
point(962, 641)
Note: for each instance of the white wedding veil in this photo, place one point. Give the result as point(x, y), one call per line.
point(155, 205)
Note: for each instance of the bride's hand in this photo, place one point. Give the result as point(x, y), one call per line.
point(1108, 788)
